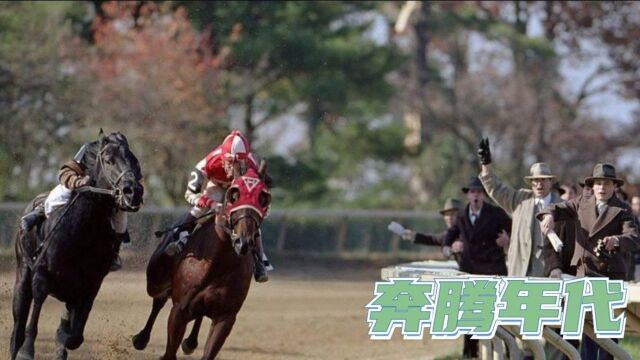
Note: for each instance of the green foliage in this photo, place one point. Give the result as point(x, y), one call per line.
point(39, 95)
point(300, 52)
point(317, 54)
point(297, 182)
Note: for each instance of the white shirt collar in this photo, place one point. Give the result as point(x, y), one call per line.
point(477, 212)
point(545, 200)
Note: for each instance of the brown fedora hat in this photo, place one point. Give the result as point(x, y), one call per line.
point(603, 172)
point(539, 171)
point(450, 204)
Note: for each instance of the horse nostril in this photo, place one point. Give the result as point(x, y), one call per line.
point(128, 190)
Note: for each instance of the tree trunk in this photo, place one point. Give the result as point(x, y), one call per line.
point(422, 66)
point(249, 128)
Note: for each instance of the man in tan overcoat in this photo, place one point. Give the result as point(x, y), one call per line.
point(525, 255)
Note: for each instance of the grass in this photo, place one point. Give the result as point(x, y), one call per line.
point(632, 345)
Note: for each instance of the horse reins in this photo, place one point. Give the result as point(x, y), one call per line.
point(229, 231)
point(114, 192)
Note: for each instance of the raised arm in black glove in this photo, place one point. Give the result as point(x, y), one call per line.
point(484, 153)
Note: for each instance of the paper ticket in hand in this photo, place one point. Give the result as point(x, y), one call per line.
point(555, 241)
point(396, 228)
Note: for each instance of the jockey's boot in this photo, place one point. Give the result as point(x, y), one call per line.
point(32, 218)
point(181, 234)
point(260, 273)
point(116, 263)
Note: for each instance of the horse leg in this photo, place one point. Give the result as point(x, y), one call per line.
point(141, 340)
point(220, 329)
point(175, 331)
point(77, 321)
point(40, 291)
point(191, 342)
point(22, 297)
point(63, 332)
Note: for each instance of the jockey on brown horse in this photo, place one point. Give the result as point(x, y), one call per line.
point(213, 275)
point(206, 188)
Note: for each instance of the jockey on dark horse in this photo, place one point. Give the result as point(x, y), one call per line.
point(72, 176)
point(206, 188)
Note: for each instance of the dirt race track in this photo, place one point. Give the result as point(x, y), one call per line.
point(306, 313)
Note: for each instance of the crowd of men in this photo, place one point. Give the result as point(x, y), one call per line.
point(597, 225)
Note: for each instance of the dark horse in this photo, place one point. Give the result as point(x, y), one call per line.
point(213, 275)
point(79, 244)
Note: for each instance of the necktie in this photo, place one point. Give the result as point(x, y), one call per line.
point(474, 217)
point(601, 208)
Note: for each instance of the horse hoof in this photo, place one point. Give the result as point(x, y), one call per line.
point(140, 341)
point(189, 346)
point(73, 342)
point(61, 353)
point(24, 356)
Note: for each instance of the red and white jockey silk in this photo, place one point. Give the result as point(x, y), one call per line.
point(250, 186)
point(234, 147)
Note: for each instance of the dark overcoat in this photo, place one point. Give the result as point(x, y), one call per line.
point(481, 254)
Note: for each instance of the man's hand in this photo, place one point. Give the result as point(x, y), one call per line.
point(408, 235)
point(503, 239)
point(83, 181)
point(547, 224)
point(446, 251)
point(611, 243)
point(555, 274)
point(484, 152)
point(457, 246)
point(204, 202)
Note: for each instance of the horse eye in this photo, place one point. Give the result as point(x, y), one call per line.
point(264, 199)
point(109, 159)
point(233, 195)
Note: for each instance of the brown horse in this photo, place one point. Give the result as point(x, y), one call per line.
point(212, 276)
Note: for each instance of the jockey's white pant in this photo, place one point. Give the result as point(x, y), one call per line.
point(60, 195)
point(213, 192)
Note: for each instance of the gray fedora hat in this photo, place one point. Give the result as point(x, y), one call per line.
point(603, 172)
point(539, 171)
point(474, 183)
point(450, 204)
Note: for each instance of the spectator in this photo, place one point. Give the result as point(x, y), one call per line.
point(606, 234)
point(570, 192)
point(525, 256)
point(479, 235)
point(448, 212)
point(586, 190)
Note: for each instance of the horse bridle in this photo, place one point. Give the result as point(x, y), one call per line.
point(229, 224)
point(115, 191)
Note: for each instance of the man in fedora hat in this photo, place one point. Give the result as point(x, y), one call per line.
point(478, 237)
point(607, 233)
point(524, 257)
point(603, 218)
point(448, 212)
